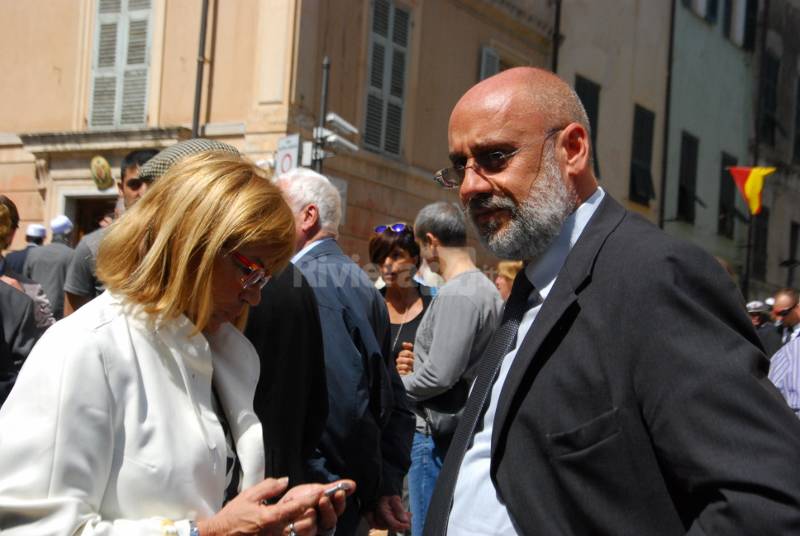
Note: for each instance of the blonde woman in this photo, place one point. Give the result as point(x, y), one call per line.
point(134, 415)
point(506, 272)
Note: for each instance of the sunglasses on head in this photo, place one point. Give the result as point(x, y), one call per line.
point(396, 227)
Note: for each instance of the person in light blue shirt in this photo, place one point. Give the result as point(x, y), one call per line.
point(784, 372)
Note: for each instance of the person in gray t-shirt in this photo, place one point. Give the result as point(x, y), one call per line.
point(47, 265)
point(451, 339)
point(82, 284)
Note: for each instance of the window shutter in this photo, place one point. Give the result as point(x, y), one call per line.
point(374, 126)
point(641, 188)
point(490, 62)
point(712, 7)
point(750, 22)
point(119, 77)
point(589, 93)
point(134, 82)
point(104, 82)
point(687, 179)
point(796, 147)
point(110, 6)
point(387, 72)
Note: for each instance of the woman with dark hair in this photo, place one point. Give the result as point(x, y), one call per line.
point(396, 253)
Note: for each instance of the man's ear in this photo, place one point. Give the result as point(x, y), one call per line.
point(431, 240)
point(310, 217)
point(576, 146)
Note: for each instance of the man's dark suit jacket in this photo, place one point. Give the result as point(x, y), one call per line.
point(19, 334)
point(291, 398)
point(369, 429)
point(638, 402)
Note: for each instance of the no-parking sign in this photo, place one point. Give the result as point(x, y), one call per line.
point(288, 155)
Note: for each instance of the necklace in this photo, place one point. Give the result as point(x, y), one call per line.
point(403, 320)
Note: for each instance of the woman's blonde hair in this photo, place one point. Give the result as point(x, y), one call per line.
point(509, 269)
point(161, 254)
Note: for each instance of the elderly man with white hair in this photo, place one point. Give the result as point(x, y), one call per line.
point(369, 428)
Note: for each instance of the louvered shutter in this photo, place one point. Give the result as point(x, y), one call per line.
point(120, 68)
point(104, 82)
point(387, 74)
point(134, 81)
point(490, 62)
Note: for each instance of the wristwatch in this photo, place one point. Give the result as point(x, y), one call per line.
point(193, 530)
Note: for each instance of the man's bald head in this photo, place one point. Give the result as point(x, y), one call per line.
point(520, 147)
point(531, 91)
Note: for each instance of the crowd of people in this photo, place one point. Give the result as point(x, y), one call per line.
point(221, 366)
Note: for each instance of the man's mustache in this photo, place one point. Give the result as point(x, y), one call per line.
point(491, 202)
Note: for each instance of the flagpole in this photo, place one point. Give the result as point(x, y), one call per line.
point(746, 274)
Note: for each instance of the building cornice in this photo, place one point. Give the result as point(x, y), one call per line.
point(516, 19)
point(48, 143)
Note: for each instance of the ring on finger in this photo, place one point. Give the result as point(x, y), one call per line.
point(291, 529)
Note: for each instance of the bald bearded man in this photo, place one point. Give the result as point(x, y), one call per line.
point(625, 391)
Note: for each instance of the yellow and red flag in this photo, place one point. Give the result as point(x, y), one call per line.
point(750, 181)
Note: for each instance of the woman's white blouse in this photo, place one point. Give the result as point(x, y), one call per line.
point(110, 427)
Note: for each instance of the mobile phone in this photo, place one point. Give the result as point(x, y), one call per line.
point(343, 486)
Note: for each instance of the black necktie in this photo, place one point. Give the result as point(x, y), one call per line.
point(439, 509)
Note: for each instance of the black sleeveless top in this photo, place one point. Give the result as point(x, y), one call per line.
point(407, 332)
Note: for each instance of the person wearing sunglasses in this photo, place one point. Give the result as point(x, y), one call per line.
point(787, 313)
point(135, 414)
point(81, 283)
point(625, 390)
point(394, 250)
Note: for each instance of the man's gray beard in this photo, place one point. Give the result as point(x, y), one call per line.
point(535, 223)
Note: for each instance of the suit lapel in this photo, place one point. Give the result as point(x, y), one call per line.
point(571, 280)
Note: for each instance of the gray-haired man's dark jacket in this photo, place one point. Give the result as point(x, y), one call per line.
point(369, 428)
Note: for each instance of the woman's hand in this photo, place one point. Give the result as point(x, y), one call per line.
point(328, 508)
point(405, 359)
point(247, 513)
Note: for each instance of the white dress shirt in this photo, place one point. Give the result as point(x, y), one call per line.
point(478, 510)
point(308, 247)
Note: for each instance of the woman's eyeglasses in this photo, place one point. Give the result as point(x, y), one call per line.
point(254, 275)
point(396, 227)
